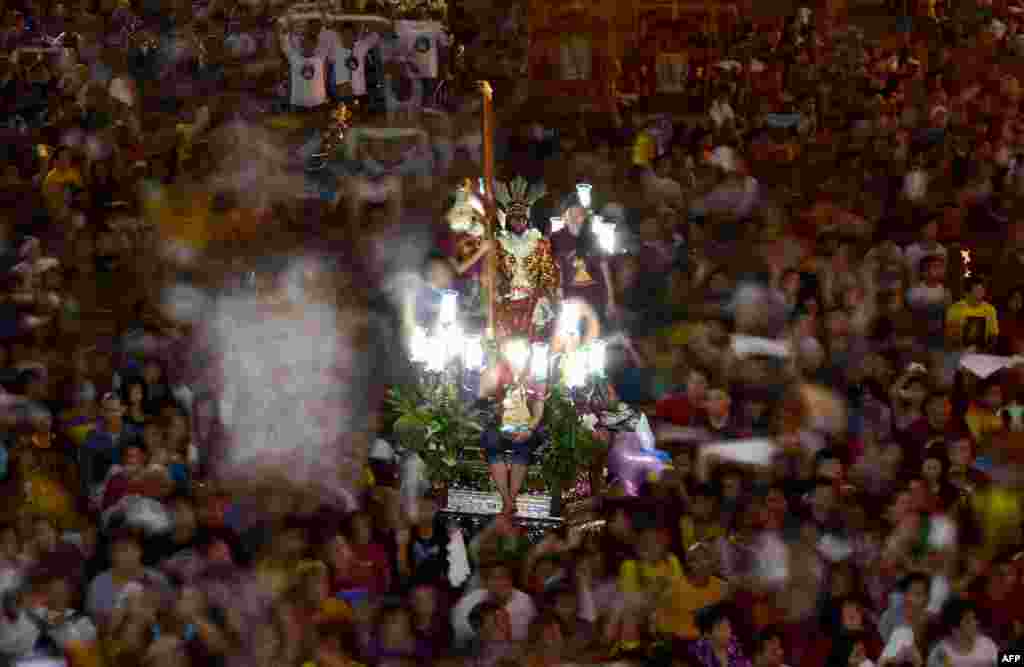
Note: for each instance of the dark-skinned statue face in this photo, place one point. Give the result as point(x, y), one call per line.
point(518, 220)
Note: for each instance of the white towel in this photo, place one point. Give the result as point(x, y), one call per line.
point(458, 559)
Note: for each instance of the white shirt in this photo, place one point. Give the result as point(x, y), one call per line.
point(915, 252)
point(721, 112)
point(123, 90)
point(349, 63)
point(308, 74)
point(421, 40)
point(923, 296)
point(915, 185)
point(520, 608)
point(900, 644)
point(984, 654)
point(309, 86)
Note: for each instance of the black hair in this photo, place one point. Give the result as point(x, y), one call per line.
point(766, 635)
point(708, 618)
point(913, 578)
point(971, 282)
point(126, 388)
point(703, 490)
point(134, 443)
point(482, 612)
point(955, 610)
point(936, 395)
point(928, 260)
point(843, 647)
point(825, 455)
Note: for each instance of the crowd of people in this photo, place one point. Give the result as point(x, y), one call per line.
point(851, 201)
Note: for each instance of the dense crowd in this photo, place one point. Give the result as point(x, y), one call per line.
point(851, 200)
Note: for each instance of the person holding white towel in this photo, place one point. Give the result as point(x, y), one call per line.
point(347, 49)
point(307, 64)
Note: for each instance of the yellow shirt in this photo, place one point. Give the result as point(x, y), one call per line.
point(63, 178)
point(678, 616)
point(983, 423)
point(643, 150)
point(638, 577)
point(961, 313)
point(334, 610)
point(55, 184)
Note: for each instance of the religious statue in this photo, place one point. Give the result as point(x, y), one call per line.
point(528, 274)
point(466, 245)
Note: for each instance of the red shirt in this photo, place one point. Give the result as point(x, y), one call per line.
point(370, 570)
point(676, 408)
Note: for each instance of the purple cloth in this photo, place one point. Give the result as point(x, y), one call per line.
point(705, 656)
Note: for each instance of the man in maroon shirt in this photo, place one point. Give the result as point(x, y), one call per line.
point(585, 274)
point(934, 425)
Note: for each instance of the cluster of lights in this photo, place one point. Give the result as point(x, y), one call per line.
point(605, 232)
point(585, 363)
point(447, 343)
point(583, 192)
point(581, 363)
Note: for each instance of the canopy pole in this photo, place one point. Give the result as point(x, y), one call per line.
point(491, 268)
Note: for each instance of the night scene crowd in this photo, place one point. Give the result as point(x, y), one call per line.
point(851, 201)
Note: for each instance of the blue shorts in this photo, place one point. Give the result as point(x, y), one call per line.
point(495, 446)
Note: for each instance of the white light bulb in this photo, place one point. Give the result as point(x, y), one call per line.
point(596, 358)
point(539, 361)
point(473, 352)
point(436, 354)
point(451, 343)
point(449, 307)
point(419, 346)
point(606, 238)
point(517, 352)
point(569, 324)
point(583, 191)
point(576, 369)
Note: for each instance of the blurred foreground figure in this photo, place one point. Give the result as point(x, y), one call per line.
point(277, 381)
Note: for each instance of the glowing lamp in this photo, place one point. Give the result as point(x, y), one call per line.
point(539, 361)
point(473, 352)
point(436, 356)
point(605, 233)
point(449, 307)
point(576, 369)
point(517, 352)
point(583, 191)
point(597, 357)
point(569, 323)
point(419, 346)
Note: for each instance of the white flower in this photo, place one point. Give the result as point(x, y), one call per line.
point(590, 422)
